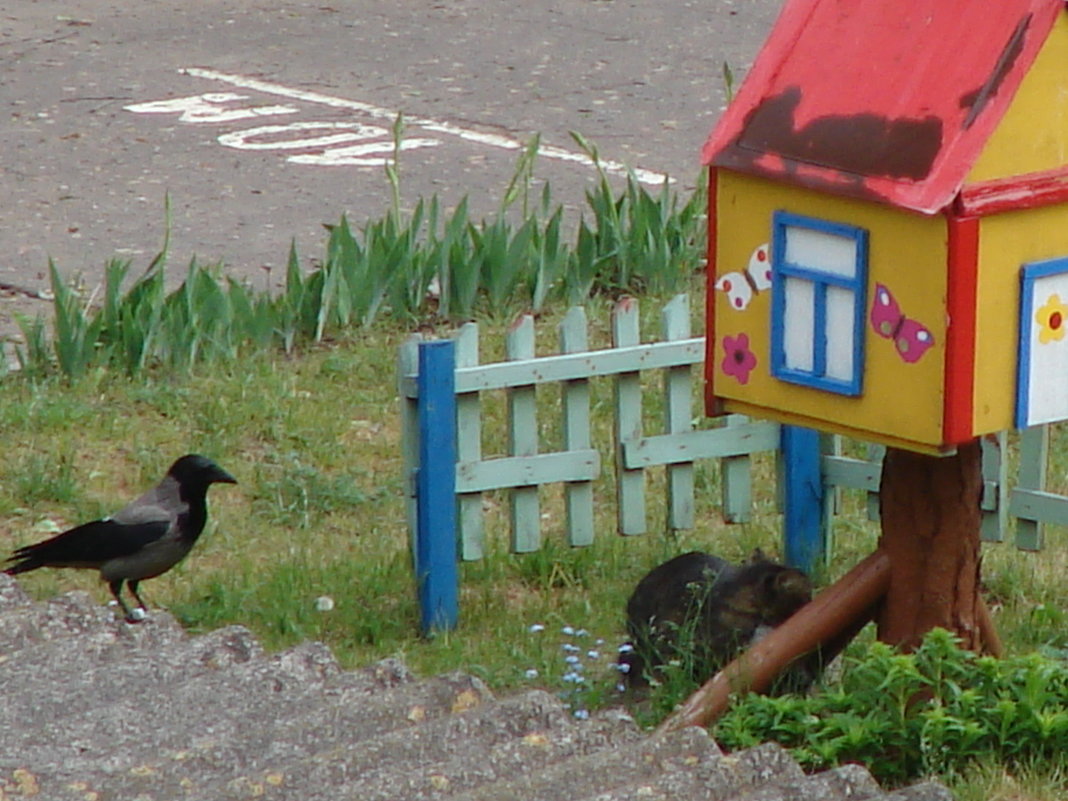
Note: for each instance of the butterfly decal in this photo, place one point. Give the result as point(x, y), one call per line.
point(911, 338)
point(741, 287)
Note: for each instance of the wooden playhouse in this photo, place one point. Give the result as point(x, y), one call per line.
point(888, 250)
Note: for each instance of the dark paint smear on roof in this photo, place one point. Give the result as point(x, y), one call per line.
point(861, 144)
point(978, 99)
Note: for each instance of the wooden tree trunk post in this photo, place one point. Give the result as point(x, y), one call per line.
point(930, 530)
point(924, 574)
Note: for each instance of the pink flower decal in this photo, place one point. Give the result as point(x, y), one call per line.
point(738, 360)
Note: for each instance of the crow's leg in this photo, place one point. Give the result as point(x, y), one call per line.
point(116, 590)
point(132, 585)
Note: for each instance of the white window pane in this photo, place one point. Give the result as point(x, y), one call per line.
point(797, 324)
point(1048, 383)
point(841, 306)
point(819, 250)
point(1047, 371)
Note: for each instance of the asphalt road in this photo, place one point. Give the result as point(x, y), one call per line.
point(263, 120)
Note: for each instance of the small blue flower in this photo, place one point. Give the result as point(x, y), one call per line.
point(626, 648)
point(536, 627)
point(571, 659)
point(623, 667)
point(593, 654)
point(569, 648)
point(568, 630)
point(531, 674)
point(582, 633)
point(582, 714)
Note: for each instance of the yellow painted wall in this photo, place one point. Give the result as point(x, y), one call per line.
point(1033, 134)
point(1006, 242)
point(901, 402)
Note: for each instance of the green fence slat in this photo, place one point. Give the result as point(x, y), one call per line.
point(995, 503)
point(591, 364)
point(1034, 456)
point(736, 469)
point(678, 415)
point(876, 454)
point(408, 365)
point(742, 437)
point(508, 472)
point(848, 473)
point(523, 440)
point(469, 447)
point(1031, 505)
point(630, 482)
point(575, 403)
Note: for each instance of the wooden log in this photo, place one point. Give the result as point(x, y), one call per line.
point(991, 640)
point(833, 616)
point(931, 519)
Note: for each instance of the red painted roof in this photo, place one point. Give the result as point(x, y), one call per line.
point(890, 100)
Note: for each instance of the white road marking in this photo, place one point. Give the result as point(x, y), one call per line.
point(435, 126)
point(205, 108)
point(209, 108)
point(350, 132)
point(358, 155)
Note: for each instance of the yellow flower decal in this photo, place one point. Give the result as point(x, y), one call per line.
point(1052, 318)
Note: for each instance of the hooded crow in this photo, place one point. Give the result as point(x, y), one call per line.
point(145, 539)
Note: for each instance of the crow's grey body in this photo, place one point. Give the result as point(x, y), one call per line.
point(144, 539)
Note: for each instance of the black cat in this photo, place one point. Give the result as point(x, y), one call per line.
point(701, 611)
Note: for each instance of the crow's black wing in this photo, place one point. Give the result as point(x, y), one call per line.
point(90, 544)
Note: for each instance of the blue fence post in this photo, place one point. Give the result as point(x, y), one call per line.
point(802, 497)
point(436, 571)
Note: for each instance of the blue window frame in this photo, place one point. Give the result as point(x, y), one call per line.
point(819, 291)
point(1042, 370)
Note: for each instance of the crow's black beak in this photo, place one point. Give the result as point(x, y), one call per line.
point(220, 476)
